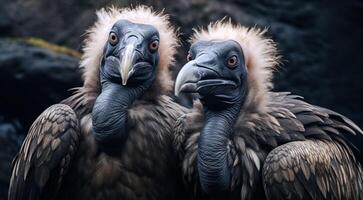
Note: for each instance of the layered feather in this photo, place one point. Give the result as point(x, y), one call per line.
point(266, 133)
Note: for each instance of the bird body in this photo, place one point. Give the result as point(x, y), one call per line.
point(143, 168)
point(294, 151)
point(113, 138)
point(243, 141)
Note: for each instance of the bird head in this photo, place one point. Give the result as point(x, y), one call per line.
point(228, 63)
point(127, 55)
point(131, 53)
point(216, 71)
point(128, 46)
point(229, 67)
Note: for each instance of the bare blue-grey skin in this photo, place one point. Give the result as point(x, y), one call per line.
point(138, 71)
point(219, 87)
point(120, 147)
point(229, 151)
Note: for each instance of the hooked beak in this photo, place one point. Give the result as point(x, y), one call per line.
point(187, 78)
point(198, 76)
point(128, 59)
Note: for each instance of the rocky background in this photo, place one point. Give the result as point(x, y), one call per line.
point(40, 40)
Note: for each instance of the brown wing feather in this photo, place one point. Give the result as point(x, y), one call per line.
point(45, 154)
point(318, 167)
point(313, 121)
point(81, 101)
point(186, 133)
point(312, 169)
point(288, 118)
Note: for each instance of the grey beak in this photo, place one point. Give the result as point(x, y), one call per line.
point(127, 58)
point(187, 78)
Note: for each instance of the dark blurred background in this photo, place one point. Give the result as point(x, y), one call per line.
point(41, 40)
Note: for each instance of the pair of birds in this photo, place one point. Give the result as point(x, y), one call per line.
point(121, 136)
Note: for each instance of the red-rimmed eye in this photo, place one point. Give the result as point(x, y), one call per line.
point(232, 62)
point(189, 57)
point(154, 45)
point(112, 38)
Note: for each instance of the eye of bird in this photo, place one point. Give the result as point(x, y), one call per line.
point(189, 57)
point(232, 62)
point(154, 45)
point(112, 38)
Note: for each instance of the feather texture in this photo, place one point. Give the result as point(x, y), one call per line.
point(312, 169)
point(260, 53)
point(96, 38)
point(61, 159)
point(300, 150)
point(44, 158)
point(302, 129)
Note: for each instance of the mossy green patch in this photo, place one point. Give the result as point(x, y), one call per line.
point(47, 45)
point(53, 47)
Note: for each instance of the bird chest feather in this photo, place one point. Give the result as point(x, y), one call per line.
point(139, 169)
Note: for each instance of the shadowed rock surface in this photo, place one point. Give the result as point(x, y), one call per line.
point(316, 38)
point(32, 78)
point(11, 137)
point(320, 42)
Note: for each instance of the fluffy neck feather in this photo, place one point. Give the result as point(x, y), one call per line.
point(97, 36)
point(260, 52)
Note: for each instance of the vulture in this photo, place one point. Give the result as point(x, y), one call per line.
point(112, 139)
point(244, 141)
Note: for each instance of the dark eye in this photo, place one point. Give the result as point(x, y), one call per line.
point(112, 38)
point(232, 62)
point(189, 57)
point(154, 45)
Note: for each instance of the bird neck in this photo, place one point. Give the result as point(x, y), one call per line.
point(110, 113)
point(213, 165)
